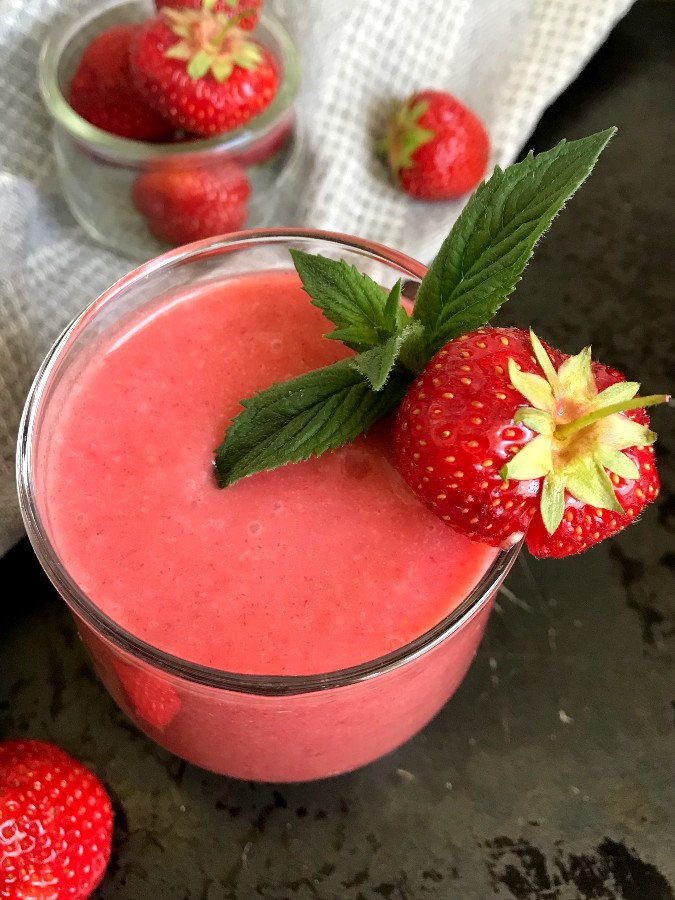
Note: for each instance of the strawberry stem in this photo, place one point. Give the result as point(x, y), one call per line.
point(232, 23)
point(222, 34)
point(564, 431)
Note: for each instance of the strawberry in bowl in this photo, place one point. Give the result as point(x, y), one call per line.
point(135, 92)
point(102, 91)
point(246, 12)
point(183, 204)
point(202, 72)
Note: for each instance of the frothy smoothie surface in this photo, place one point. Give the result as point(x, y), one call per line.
point(306, 569)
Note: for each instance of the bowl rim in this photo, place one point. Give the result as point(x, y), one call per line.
point(125, 150)
point(104, 626)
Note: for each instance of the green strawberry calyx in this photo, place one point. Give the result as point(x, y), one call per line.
point(580, 433)
point(405, 135)
point(210, 42)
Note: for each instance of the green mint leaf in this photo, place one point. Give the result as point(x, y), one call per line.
point(483, 257)
point(377, 363)
point(352, 301)
point(293, 420)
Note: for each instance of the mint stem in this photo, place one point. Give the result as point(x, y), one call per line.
point(564, 431)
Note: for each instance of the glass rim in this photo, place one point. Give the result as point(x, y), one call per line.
point(128, 150)
point(107, 628)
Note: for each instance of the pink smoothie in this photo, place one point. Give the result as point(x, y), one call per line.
point(301, 571)
point(306, 569)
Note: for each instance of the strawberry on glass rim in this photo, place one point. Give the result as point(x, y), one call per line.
point(570, 469)
point(501, 436)
point(201, 71)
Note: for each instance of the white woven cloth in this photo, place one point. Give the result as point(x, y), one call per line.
point(507, 59)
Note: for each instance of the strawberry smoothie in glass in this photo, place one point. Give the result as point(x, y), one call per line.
point(295, 625)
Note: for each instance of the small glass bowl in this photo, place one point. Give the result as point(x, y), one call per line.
point(257, 727)
point(99, 170)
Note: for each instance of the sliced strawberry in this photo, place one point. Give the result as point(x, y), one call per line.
point(246, 12)
point(55, 824)
point(436, 147)
point(201, 72)
point(103, 93)
point(183, 205)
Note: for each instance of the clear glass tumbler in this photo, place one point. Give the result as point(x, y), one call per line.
point(100, 172)
point(263, 728)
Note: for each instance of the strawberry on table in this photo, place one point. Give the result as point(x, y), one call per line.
point(55, 824)
point(103, 93)
point(247, 12)
point(437, 149)
point(503, 437)
point(201, 71)
point(182, 205)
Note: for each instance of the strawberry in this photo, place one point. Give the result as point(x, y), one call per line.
point(500, 434)
point(183, 205)
point(55, 824)
point(436, 148)
point(102, 91)
point(153, 699)
point(201, 72)
point(247, 12)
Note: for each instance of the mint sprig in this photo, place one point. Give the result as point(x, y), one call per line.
point(293, 420)
point(477, 267)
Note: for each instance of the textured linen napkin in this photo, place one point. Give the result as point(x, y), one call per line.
point(506, 59)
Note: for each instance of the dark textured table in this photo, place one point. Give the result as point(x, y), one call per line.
point(550, 774)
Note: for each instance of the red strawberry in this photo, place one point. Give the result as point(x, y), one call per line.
point(55, 824)
point(436, 147)
point(184, 205)
point(231, 8)
point(102, 91)
point(153, 699)
point(201, 72)
point(494, 448)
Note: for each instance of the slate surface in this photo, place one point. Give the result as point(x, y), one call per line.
point(549, 775)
